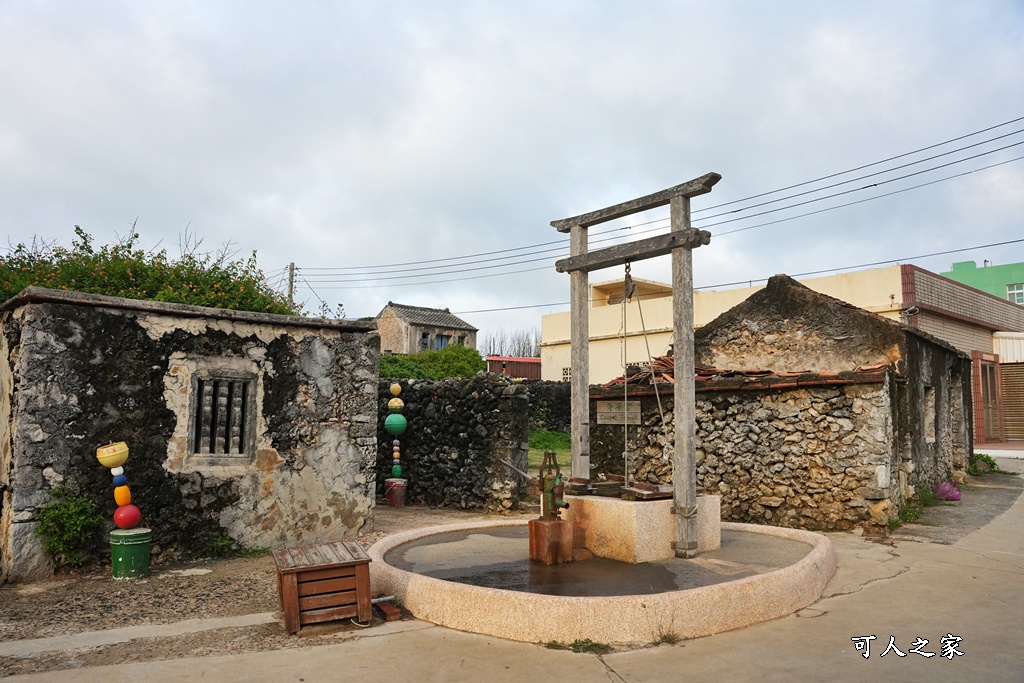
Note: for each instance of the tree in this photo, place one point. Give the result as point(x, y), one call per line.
point(125, 270)
point(521, 343)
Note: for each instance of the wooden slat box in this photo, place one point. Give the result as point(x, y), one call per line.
point(323, 582)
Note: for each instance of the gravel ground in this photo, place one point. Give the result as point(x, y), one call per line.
point(73, 603)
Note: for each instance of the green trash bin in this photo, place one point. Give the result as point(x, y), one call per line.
point(129, 552)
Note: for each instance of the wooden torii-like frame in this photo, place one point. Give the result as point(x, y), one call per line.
point(680, 242)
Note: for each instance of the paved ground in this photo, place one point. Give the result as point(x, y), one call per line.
point(964, 585)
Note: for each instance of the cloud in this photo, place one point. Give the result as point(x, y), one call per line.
point(356, 134)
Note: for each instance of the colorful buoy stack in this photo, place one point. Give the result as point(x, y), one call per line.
point(129, 546)
point(127, 516)
point(395, 424)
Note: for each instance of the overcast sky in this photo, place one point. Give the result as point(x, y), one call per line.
point(367, 134)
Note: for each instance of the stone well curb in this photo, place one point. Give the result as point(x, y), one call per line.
point(537, 618)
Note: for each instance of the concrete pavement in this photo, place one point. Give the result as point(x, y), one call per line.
point(969, 587)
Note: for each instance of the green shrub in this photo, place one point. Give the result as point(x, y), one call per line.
point(125, 270)
point(403, 367)
point(452, 361)
point(543, 440)
point(68, 526)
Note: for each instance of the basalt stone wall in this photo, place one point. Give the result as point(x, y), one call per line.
point(79, 371)
point(816, 458)
point(550, 405)
point(458, 432)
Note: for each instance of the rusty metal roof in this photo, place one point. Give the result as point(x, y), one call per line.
point(662, 370)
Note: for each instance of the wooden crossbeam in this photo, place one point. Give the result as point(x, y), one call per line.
point(692, 188)
point(634, 251)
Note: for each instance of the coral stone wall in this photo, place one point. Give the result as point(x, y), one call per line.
point(458, 431)
point(550, 405)
point(76, 376)
point(814, 458)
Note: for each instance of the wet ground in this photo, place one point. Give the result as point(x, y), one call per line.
point(499, 558)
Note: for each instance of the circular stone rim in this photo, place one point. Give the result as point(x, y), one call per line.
point(528, 617)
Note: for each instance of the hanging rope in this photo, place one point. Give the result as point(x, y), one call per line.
point(650, 361)
point(628, 288)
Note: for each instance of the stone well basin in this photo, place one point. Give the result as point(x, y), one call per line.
point(742, 592)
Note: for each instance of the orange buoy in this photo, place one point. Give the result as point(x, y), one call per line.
point(122, 495)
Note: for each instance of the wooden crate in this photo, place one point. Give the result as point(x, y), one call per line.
point(323, 582)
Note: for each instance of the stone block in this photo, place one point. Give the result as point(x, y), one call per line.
point(639, 531)
point(23, 556)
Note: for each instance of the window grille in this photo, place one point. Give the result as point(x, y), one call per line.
point(566, 374)
point(223, 416)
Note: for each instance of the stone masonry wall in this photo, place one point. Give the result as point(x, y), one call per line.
point(550, 405)
point(459, 431)
point(812, 458)
point(75, 377)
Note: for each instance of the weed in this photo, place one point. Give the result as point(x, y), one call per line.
point(667, 639)
point(585, 646)
point(926, 498)
point(983, 463)
point(68, 526)
point(221, 546)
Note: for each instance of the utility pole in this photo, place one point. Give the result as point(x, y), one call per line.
point(291, 281)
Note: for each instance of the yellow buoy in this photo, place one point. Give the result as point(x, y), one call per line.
point(112, 455)
point(396, 389)
point(122, 495)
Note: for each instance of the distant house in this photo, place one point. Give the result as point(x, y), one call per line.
point(514, 367)
point(412, 329)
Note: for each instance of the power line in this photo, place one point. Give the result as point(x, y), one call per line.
point(708, 208)
point(870, 175)
point(783, 220)
point(858, 189)
point(765, 279)
point(860, 168)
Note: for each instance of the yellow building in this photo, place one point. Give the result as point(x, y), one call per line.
point(878, 290)
point(973, 321)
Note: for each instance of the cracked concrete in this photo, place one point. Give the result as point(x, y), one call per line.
point(972, 588)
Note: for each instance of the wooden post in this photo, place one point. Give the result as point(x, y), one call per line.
point(680, 243)
point(579, 340)
point(684, 474)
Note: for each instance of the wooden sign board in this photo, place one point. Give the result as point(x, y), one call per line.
point(618, 412)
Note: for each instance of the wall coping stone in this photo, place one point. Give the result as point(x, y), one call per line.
point(33, 295)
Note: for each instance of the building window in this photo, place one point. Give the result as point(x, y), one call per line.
point(566, 374)
point(223, 415)
point(424, 341)
point(441, 341)
point(462, 340)
point(1015, 293)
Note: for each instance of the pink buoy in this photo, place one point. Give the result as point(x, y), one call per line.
point(127, 517)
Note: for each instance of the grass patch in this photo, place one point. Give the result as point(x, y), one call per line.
point(585, 646)
point(542, 440)
point(983, 463)
point(667, 639)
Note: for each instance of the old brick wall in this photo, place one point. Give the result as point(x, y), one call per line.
point(812, 458)
point(74, 377)
point(458, 431)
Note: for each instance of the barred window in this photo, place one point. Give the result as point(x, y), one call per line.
point(223, 415)
point(566, 374)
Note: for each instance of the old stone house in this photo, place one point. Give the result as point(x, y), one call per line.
point(810, 412)
point(253, 429)
point(412, 329)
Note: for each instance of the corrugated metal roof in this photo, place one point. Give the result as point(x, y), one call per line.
point(434, 317)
